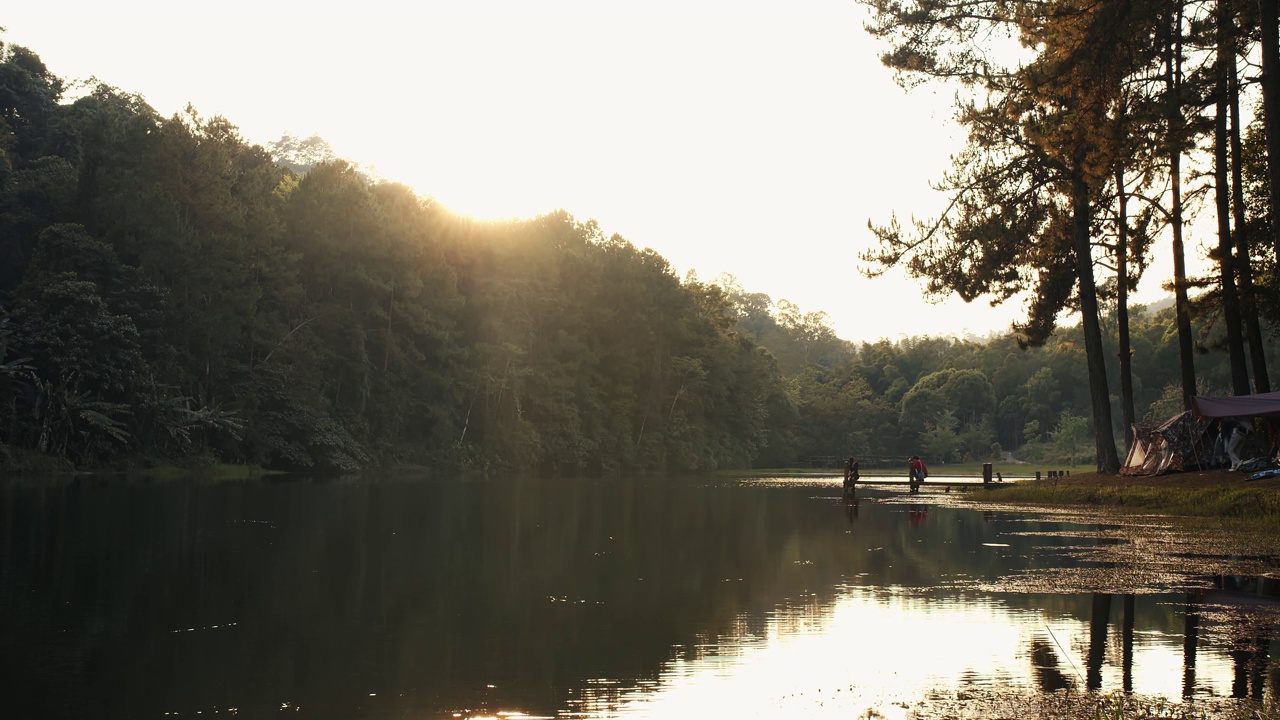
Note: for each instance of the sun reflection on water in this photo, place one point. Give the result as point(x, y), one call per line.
point(878, 652)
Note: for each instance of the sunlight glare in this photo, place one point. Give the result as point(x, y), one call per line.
point(877, 652)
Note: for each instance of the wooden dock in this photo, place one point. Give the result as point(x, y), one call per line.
point(932, 482)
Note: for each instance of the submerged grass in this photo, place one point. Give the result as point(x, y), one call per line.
point(1070, 704)
point(1117, 706)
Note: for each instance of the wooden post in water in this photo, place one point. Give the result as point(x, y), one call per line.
point(986, 473)
point(1037, 476)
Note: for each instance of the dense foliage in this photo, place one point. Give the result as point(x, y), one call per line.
point(170, 294)
point(975, 399)
point(1079, 117)
point(173, 294)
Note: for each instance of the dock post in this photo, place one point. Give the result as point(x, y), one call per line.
point(1037, 476)
point(986, 473)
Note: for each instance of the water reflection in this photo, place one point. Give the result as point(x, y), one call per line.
point(570, 598)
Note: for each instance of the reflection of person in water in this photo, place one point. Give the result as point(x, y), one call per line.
point(918, 513)
point(851, 509)
point(851, 475)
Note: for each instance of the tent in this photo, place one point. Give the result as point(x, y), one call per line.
point(1182, 442)
point(1257, 405)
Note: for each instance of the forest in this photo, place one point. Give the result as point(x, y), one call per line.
point(172, 295)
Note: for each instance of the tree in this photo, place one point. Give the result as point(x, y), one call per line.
point(1228, 264)
point(1269, 33)
point(1176, 137)
point(1023, 191)
point(1070, 433)
point(940, 439)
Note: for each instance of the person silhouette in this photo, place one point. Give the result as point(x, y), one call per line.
point(851, 475)
point(917, 471)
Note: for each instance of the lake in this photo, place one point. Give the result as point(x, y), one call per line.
point(590, 598)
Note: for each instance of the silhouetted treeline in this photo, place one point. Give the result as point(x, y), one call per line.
point(172, 294)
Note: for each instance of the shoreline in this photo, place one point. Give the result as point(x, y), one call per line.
point(1217, 494)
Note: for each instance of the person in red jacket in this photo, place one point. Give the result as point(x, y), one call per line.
point(917, 471)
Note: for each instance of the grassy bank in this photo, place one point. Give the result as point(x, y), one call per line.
point(1215, 494)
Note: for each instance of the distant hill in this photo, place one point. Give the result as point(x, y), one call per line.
point(1159, 305)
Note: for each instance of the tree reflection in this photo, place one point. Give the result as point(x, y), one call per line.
point(1126, 640)
point(1098, 620)
point(435, 596)
point(1190, 636)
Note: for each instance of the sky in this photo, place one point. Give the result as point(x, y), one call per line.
point(755, 138)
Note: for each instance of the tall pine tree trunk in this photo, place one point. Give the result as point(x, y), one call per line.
point(1244, 261)
point(1222, 198)
point(1269, 32)
point(1099, 395)
point(1173, 87)
point(1122, 307)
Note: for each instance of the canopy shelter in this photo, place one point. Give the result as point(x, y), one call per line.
point(1258, 405)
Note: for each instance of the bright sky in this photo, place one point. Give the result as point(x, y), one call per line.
point(755, 138)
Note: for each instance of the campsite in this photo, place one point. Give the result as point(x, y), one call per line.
point(1171, 468)
point(1239, 430)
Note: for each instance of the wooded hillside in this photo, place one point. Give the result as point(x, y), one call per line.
point(171, 294)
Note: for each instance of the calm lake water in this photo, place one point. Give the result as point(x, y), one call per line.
point(403, 598)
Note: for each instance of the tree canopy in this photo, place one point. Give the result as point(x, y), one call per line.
point(172, 294)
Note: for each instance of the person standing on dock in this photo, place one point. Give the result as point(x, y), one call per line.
point(917, 471)
point(851, 475)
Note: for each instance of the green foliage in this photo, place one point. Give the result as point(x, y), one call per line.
point(170, 294)
point(1071, 435)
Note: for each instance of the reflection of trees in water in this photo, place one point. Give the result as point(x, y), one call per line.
point(1250, 660)
point(1246, 635)
point(1098, 620)
point(1242, 612)
point(1126, 639)
point(1232, 614)
point(1190, 640)
point(440, 590)
point(339, 589)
